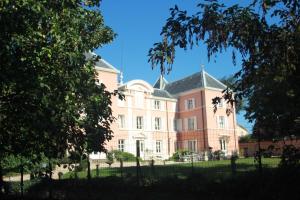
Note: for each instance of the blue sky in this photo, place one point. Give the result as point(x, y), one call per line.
point(138, 24)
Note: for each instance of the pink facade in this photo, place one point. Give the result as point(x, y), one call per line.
point(167, 117)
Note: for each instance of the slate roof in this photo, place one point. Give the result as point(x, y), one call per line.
point(162, 93)
point(160, 83)
point(198, 80)
point(101, 62)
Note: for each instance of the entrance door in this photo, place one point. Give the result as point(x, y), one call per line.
point(140, 148)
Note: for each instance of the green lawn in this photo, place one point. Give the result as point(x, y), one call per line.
point(210, 169)
point(209, 180)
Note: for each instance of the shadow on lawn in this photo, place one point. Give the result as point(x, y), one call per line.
point(271, 184)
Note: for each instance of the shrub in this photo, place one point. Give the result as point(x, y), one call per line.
point(218, 155)
point(177, 156)
point(125, 156)
point(290, 157)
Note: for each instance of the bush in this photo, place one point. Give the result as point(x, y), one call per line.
point(290, 157)
point(218, 155)
point(125, 156)
point(177, 156)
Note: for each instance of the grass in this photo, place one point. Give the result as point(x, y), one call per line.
point(209, 180)
point(211, 169)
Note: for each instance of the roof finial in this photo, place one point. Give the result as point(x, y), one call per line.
point(202, 67)
point(121, 78)
point(161, 81)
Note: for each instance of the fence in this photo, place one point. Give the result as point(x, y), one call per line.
point(182, 164)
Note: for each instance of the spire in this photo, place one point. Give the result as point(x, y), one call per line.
point(203, 75)
point(161, 81)
point(202, 67)
point(121, 78)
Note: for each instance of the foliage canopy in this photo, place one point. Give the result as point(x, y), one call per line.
point(267, 36)
point(49, 102)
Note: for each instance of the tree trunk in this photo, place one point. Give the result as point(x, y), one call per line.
point(22, 179)
point(89, 169)
point(1, 179)
point(259, 154)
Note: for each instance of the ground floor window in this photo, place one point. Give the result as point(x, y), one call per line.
point(121, 145)
point(192, 145)
point(158, 146)
point(223, 145)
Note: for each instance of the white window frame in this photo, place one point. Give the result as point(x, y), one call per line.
point(221, 122)
point(223, 144)
point(190, 104)
point(191, 124)
point(192, 145)
point(157, 105)
point(139, 122)
point(121, 121)
point(158, 146)
point(157, 123)
point(121, 145)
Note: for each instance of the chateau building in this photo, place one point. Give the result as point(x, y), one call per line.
point(165, 117)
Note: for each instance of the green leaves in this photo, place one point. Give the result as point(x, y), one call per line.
point(46, 81)
point(268, 43)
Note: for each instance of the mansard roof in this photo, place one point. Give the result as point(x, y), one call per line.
point(198, 80)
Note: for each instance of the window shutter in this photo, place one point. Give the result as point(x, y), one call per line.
point(217, 121)
point(179, 124)
point(185, 104)
point(195, 123)
point(194, 103)
point(226, 122)
point(185, 124)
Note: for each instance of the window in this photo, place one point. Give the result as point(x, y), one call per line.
point(177, 124)
point(121, 145)
point(121, 121)
point(157, 123)
point(191, 124)
point(223, 144)
point(221, 103)
point(192, 145)
point(158, 146)
point(139, 122)
point(189, 104)
point(221, 122)
point(156, 104)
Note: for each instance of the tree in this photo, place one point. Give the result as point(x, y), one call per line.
point(267, 35)
point(230, 83)
point(49, 102)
